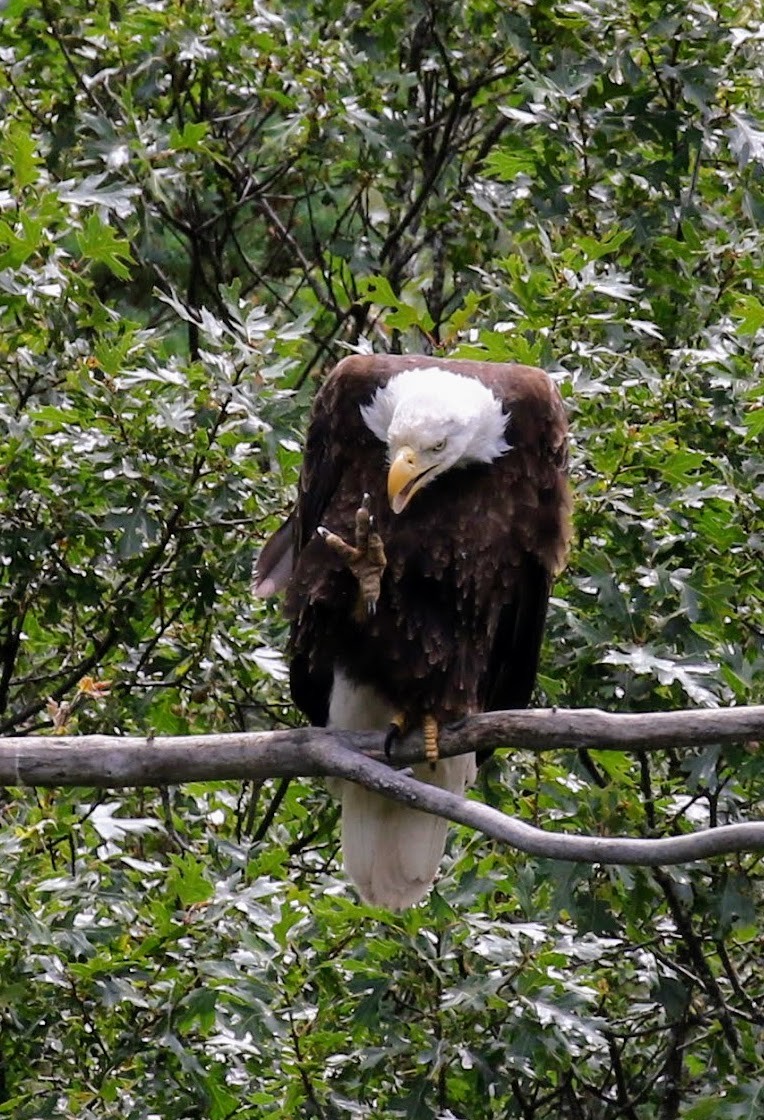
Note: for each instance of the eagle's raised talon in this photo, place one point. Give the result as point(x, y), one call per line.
point(366, 559)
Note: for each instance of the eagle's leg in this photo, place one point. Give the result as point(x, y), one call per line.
point(430, 735)
point(372, 561)
point(366, 559)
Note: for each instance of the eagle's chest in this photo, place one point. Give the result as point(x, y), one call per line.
point(446, 552)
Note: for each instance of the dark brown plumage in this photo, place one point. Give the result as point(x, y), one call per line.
point(470, 560)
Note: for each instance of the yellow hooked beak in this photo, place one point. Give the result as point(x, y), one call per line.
point(406, 475)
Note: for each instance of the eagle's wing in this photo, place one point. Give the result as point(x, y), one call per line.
point(514, 656)
point(537, 432)
point(275, 561)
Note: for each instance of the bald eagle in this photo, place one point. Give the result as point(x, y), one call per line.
point(432, 516)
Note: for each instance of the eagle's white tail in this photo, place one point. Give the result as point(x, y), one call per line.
point(391, 853)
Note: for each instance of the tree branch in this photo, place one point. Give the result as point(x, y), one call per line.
point(114, 761)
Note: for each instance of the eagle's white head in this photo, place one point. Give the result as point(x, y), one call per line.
point(432, 420)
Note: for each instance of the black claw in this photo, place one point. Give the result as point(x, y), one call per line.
point(393, 736)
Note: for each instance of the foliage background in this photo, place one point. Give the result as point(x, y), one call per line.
point(202, 205)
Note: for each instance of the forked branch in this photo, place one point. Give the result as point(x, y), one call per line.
point(115, 761)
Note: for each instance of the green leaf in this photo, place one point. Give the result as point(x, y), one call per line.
point(594, 249)
point(24, 158)
point(187, 880)
point(465, 314)
point(507, 165)
point(378, 288)
point(402, 315)
point(750, 311)
point(98, 242)
point(754, 422)
point(20, 246)
point(191, 136)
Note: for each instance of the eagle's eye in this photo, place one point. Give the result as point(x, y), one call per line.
point(438, 446)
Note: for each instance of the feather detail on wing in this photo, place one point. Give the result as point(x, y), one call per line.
point(273, 567)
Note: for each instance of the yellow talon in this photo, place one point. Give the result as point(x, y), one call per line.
point(430, 735)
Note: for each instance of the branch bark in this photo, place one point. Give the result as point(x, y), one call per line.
point(115, 761)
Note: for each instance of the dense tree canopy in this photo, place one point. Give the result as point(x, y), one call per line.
point(204, 204)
